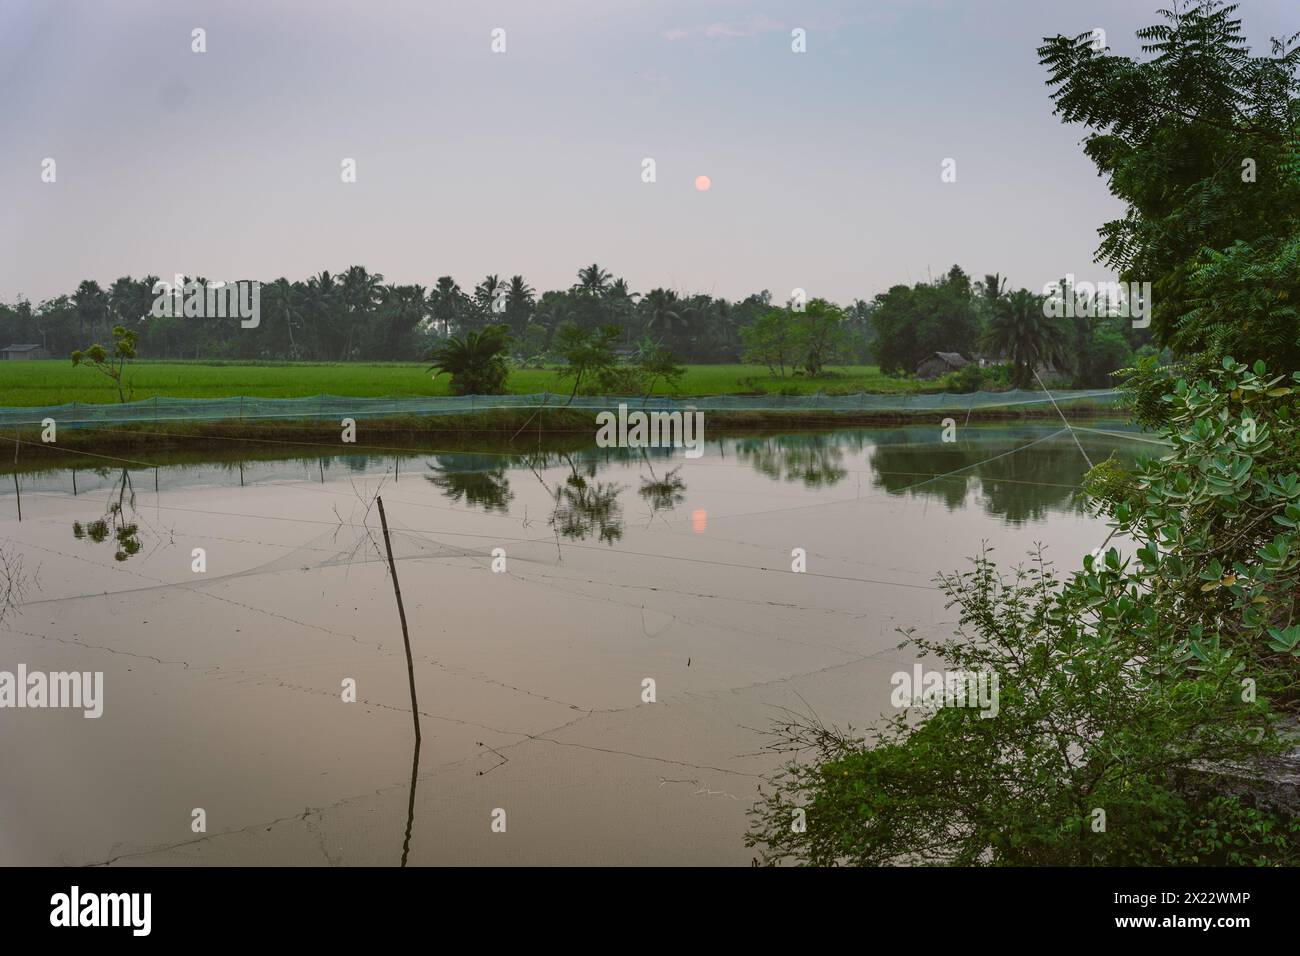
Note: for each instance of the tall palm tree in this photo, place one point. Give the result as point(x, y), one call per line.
point(485, 297)
point(1020, 329)
point(663, 312)
point(359, 290)
point(284, 302)
point(520, 303)
point(402, 308)
point(320, 308)
point(593, 280)
point(92, 307)
point(447, 304)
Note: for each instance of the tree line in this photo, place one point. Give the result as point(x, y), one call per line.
point(354, 315)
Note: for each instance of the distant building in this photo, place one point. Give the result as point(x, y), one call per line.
point(18, 353)
point(940, 363)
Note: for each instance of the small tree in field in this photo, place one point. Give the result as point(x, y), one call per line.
point(586, 353)
point(112, 364)
point(655, 362)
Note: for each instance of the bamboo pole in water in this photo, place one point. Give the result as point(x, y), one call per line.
point(401, 613)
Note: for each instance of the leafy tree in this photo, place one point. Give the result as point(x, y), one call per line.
point(1202, 143)
point(770, 340)
point(1120, 687)
point(1103, 351)
point(912, 323)
point(657, 363)
point(821, 335)
point(530, 348)
point(112, 363)
point(476, 361)
point(586, 353)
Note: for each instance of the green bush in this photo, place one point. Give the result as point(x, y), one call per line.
point(1117, 686)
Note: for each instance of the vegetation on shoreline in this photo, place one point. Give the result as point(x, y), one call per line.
point(1131, 687)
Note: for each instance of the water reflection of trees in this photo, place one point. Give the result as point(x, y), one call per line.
point(585, 507)
point(581, 506)
point(661, 493)
point(1018, 486)
point(477, 480)
point(1015, 482)
point(815, 459)
point(115, 524)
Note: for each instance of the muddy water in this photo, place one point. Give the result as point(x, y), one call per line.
point(224, 688)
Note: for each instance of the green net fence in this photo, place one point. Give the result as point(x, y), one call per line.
point(335, 407)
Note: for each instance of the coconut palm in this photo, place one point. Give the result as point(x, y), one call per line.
point(593, 280)
point(320, 303)
point(447, 304)
point(663, 312)
point(520, 303)
point(486, 294)
point(1020, 329)
point(284, 303)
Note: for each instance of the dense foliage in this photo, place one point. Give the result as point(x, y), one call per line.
point(1202, 143)
point(1121, 687)
point(356, 316)
point(1132, 688)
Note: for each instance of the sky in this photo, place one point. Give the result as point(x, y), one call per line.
point(824, 166)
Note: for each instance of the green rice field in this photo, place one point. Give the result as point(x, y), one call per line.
point(56, 382)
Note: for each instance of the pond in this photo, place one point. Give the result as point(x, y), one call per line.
point(599, 637)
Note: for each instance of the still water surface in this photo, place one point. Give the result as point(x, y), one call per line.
point(223, 690)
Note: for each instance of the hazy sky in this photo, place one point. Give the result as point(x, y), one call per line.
point(825, 166)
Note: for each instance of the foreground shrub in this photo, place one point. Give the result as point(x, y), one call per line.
point(1121, 687)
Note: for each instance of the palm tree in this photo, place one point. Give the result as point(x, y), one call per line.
point(519, 304)
point(92, 306)
point(593, 280)
point(486, 294)
point(1020, 329)
point(359, 290)
point(476, 362)
point(447, 304)
point(320, 305)
point(285, 302)
point(402, 309)
point(663, 312)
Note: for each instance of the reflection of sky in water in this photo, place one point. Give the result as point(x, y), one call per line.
point(1016, 472)
point(622, 564)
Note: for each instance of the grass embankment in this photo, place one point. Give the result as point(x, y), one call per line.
point(58, 382)
point(55, 382)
